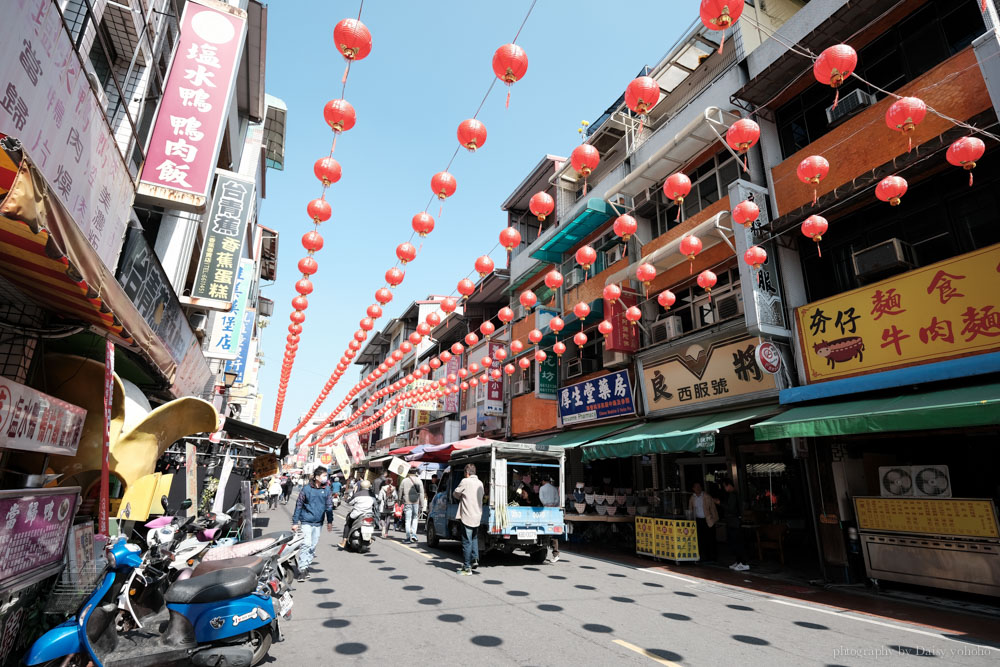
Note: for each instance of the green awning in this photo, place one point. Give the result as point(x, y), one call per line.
point(593, 215)
point(684, 434)
point(948, 408)
point(580, 436)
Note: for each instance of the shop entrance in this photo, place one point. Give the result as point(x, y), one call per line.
point(709, 470)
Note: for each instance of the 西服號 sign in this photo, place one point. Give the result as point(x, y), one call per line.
point(36, 422)
point(942, 311)
point(598, 398)
point(215, 282)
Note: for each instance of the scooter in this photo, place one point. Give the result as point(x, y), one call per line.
point(336, 500)
point(225, 617)
point(359, 539)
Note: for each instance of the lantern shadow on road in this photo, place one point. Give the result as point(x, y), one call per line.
point(748, 639)
point(739, 607)
point(675, 617)
point(811, 626)
point(350, 648)
point(329, 605)
point(486, 641)
point(596, 627)
point(450, 618)
point(336, 623)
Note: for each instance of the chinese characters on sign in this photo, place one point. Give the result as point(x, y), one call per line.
point(547, 377)
point(945, 310)
point(35, 422)
point(228, 330)
point(33, 529)
point(494, 388)
point(46, 103)
point(598, 398)
point(624, 336)
point(697, 374)
point(239, 364)
point(224, 238)
point(958, 517)
point(187, 132)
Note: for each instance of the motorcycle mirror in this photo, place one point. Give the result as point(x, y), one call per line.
point(184, 505)
point(165, 503)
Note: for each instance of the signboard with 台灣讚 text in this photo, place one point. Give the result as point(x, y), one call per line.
point(602, 397)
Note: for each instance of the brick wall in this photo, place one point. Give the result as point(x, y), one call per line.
point(530, 415)
point(955, 88)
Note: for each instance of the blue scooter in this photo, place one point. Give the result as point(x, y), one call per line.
point(221, 619)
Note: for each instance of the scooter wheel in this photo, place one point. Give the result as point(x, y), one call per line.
point(260, 642)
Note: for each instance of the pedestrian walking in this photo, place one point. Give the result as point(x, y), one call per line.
point(315, 502)
point(273, 492)
point(286, 489)
point(386, 503)
point(411, 494)
point(706, 515)
point(469, 493)
point(734, 527)
point(378, 482)
point(549, 497)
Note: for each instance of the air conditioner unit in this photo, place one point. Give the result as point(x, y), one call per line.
point(574, 367)
point(931, 481)
point(895, 481)
point(521, 387)
point(198, 322)
point(667, 328)
point(573, 278)
point(884, 259)
point(641, 198)
point(616, 359)
point(729, 306)
point(614, 254)
point(848, 105)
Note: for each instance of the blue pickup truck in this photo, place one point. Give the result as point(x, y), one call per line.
point(501, 466)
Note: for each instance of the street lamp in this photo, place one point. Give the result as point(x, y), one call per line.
point(230, 378)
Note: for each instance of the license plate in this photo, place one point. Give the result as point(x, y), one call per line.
point(367, 532)
point(527, 534)
point(285, 604)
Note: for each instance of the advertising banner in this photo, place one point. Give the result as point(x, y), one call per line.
point(239, 364)
point(33, 533)
point(343, 460)
point(215, 283)
point(624, 337)
point(227, 329)
point(36, 422)
point(187, 132)
point(598, 398)
point(351, 440)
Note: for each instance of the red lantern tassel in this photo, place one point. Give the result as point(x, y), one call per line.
point(836, 98)
point(343, 79)
point(745, 168)
point(507, 105)
point(815, 197)
point(722, 42)
point(970, 171)
point(819, 250)
point(710, 295)
point(584, 186)
point(691, 268)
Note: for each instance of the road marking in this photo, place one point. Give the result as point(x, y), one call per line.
point(406, 546)
point(642, 651)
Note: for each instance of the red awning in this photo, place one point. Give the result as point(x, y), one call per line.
point(402, 450)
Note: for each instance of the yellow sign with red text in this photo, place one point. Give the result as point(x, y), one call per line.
point(942, 311)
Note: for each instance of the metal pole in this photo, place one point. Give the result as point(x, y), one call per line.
point(812, 504)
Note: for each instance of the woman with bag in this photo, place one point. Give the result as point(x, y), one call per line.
point(386, 503)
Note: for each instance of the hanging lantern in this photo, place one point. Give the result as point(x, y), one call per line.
point(312, 241)
point(581, 310)
point(814, 227)
point(432, 319)
point(742, 136)
point(645, 273)
point(524, 363)
point(557, 324)
point(633, 314)
point(474, 382)
point(484, 266)
point(584, 160)
point(510, 63)
point(540, 356)
point(308, 266)
point(965, 152)
point(353, 39)
point(553, 279)
point(424, 329)
point(496, 374)
point(580, 339)
point(510, 238)
point(471, 338)
point(706, 281)
point(500, 353)
point(812, 170)
point(339, 115)
point(559, 348)
point(373, 311)
point(690, 246)
point(605, 327)
point(297, 316)
point(541, 205)
point(904, 115)
point(624, 227)
point(300, 303)
point(466, 287)
point(528, 299)
point(510, 369)
point(394, 276)
point(423, 224)
point(746, 213)
point(406, 252)
point(319, 210)
point(535, 336)
point(834, 65)
point(487, 328)
point(449, 304)
point(383, 295)
point(472, 134)
point(642, 94)
point(473, 367)
point(435, 363)
point(415, 338)
point(666, 298)
point(612, 292)
point(755, 256)
point(505, 314)
point(367, 323)
point(295, 328)
point(719, 15)
point(516, 346)
point(443, 185)
point(890, 189)
point(585, 257)
point(676, 188)
point(445, 356)
point(327, 170)
point(304, 286)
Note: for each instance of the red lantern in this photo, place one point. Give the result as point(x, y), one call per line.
point(433, 319)
point(471, 338)
point(423, 224)
point(540, 356)
point(472, 134)
point(559, 348)
point(719, 15)
point(487, 328)
point(690, 246)
point(516, 346)
point(584, 160)
point(676, 188)
point(707, 280)
point(605, 327)
point(642, 94)
point(383, 295)
point(297, 316)
point(496, 374)
point(327, 170)
point(466, 287)
point(445, 356)
point(510, 238)
point(406, 252)
point(528, 299)
point(581, 310)
point(625, 226)
point(304, 286)
point(814, 227)
point(353, 39)
point(524, 363)
point(553, 279)
point(890, 189)
point(312, 241)
point(645, 273)
point(612, 292)
point(666, 298)
point(510, 63)
point(367, 323)
point(541, 204)
point(905, 114)
point(484, 266)
point(500, 353)
point(965, 152)
point(443, 185)
point(510, 369)
point(812, 170)
point(585, 257)
point(295, 328)
point(319, 210)
point(449, 304)
point(415, 338)
point(505, 314)
point(308, 266)
point(424, 329)
point(374, 311)
point(474, 367)
point(394, 276)
point(580, 339)
point(339, 115)
point(557, 324)
point(535, 336)
point(742, 136)
point(457, 349)
point(474, 382)
point(633, 314)
point(834, 65)
point(746, 213)
point(755, 256)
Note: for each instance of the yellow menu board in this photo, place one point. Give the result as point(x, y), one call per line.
point(673, 539)
point(955, 517)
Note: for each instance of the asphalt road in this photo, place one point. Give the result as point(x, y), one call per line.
point(406, 605)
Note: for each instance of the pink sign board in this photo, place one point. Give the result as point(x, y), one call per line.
point(184, 144)
point(33, 528)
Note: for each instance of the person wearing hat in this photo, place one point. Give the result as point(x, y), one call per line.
point(411, 493)
point(363, 502)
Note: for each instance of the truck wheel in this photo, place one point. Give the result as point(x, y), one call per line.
point(538, 555)
point(432, 537)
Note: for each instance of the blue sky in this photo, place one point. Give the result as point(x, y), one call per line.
point(429, 68)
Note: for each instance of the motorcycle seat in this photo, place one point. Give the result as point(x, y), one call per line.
point(225, 584)
point(239, 550)
point(252, 563)
point(282, 536)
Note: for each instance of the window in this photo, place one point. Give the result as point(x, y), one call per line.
point(694, 310)
point(578, 361)
point(925, 38)
point(523, 381)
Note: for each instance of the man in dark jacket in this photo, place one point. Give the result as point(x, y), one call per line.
point(315, 502)
point(734, 529)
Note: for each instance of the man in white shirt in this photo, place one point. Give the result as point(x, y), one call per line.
point(549, 496)
point(706, 515)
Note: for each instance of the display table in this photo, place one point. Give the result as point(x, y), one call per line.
point(673, 539)
point(618, 518)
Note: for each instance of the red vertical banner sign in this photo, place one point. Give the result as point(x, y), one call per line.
point(109, 388)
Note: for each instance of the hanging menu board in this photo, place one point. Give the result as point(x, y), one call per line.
point(954, 517)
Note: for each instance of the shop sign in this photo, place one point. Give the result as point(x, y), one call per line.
point(598, 398)
point(21, 622)
point(423, 418)
point(36, 422)
point(46, 102)
point(494, 388)
point(706, 441)
point(187, 131)
point(303, 454)
point(33, 528)
point(239, 364)
point(451, 400)
point(468, 425)
point(624, 336)
point(768, 357)
point(697, 374)
point(343, 461)
point(326, 458)
point(227, 328)
point(215, 282)
point(946, 310)
point(547, 377)
point(193, 373)
point(953, 517)
point(428, 404)
point(265, 465)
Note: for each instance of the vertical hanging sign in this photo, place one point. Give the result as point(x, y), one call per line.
point(191, 477)
point(214, 284)
point(109, 389)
